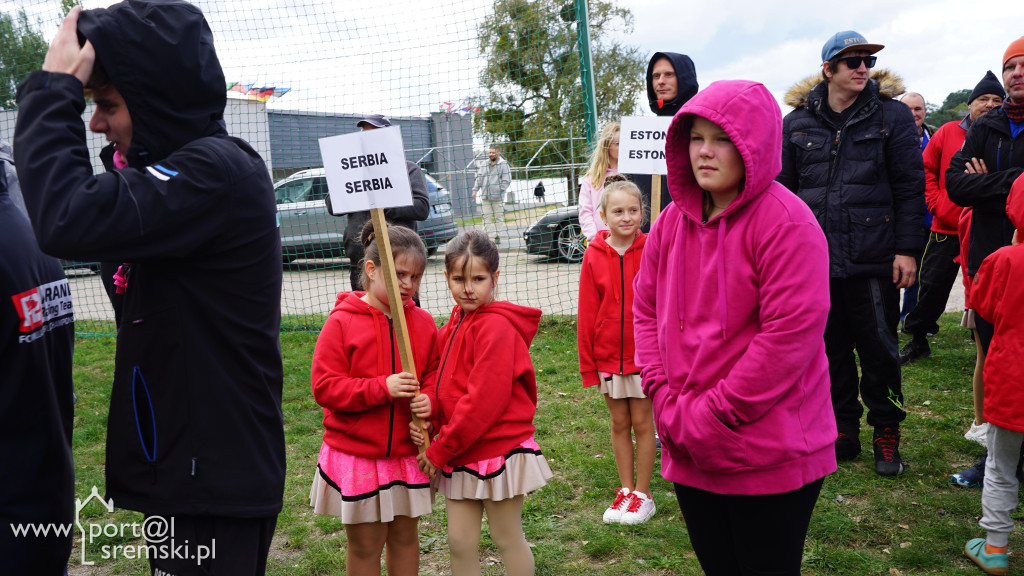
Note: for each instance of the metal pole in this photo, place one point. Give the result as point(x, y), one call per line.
point(586, 71)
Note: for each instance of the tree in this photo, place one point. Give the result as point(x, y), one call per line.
point(953, 108)
point(535, 99)
point(22, 50)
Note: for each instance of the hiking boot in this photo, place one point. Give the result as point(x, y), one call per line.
point(639, 510)
point(887, 451)
point(973, 477)
point(614, 512)
point(848, 442)
point(996, 563)
point(915, 349)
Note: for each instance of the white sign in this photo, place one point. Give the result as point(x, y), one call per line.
point(642, 144)
point(366, 170)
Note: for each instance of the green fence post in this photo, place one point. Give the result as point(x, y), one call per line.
point(586, 70)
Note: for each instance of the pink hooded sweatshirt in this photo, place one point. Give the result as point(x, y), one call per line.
point(730, 315)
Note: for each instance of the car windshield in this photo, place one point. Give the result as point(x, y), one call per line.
point(295, 191)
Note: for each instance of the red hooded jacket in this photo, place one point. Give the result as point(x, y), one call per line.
point(604, 324)
point(354, 355)
point(946, 142)
point(998, 297)
point(485, 393)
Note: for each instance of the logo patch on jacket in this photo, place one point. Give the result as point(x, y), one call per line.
point(44, 305)
point(161, 173)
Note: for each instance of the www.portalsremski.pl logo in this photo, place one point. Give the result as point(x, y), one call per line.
point(156, 533)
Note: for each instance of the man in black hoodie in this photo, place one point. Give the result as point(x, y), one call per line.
point(671, 82)
point(37, 335)
point(195, 430)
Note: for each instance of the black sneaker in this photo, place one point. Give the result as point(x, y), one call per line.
point(887, 451)
point(913, 350)
point(848, 442)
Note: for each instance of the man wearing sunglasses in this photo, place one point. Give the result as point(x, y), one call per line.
point(851, 152)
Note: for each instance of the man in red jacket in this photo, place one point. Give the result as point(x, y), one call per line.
point(938, 269)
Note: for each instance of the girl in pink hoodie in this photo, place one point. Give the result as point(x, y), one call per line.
point(729, 313)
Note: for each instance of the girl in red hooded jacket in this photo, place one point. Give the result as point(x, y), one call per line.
point(998, 295)
point(604, 335)
point(367, 472)
point(484, 398)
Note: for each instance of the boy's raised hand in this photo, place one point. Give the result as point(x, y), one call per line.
point(65, 55)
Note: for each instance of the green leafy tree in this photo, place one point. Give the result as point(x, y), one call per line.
point(953, 108)
point(535, 98)
point(22, 50)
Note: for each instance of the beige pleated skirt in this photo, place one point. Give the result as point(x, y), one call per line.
point(360, 490)
point(619, 386)
point(967, 321)
point(522, 470)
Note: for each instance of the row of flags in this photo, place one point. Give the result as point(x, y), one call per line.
point(250, 92)
point(451, 108)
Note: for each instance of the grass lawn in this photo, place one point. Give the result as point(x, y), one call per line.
point(863, 523)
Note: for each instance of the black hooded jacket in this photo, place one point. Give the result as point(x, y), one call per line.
point(686, 76)
point(195, 424)
point(37, 335)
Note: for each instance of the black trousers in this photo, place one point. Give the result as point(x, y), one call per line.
point(935, 279)
point(213, 546)
point(748, 535)
point(863, 317)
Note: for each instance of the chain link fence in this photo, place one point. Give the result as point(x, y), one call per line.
point(455, 76)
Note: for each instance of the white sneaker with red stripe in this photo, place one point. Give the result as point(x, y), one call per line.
point(615, 511)
point(639, 510)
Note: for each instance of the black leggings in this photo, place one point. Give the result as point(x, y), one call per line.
point(748, 535)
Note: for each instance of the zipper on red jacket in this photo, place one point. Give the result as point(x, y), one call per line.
point(391, 419)
point(440, 373)
point(622, 309)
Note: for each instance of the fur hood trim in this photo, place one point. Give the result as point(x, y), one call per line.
point(890, 85)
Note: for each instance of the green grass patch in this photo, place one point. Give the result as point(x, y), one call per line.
point(863, 523)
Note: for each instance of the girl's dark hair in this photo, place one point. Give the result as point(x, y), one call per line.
point(403, 241)
point(471, 243)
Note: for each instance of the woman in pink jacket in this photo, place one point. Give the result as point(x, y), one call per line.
point(730, 308)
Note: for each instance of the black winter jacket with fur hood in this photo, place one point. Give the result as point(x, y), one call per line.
point(863, 178)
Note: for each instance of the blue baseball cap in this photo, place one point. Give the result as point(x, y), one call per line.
point(846, 40)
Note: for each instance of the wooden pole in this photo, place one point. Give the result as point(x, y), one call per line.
point(387, 264)
point(655, 197)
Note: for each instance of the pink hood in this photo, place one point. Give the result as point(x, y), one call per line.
point(730, 315)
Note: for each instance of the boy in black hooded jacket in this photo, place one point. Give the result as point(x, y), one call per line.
point(671, 82)
point(195, 429)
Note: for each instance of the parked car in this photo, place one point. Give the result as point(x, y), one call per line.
point(308, 230)
point(557, 235)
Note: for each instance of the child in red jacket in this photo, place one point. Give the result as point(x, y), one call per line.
point(367, 472)
point(484, 397)
point(604, 335)
point(998, 296)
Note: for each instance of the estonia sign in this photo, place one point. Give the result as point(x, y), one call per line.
point(642, 144)
point(366, 170)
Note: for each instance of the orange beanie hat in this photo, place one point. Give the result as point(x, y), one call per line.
point(1016, 49)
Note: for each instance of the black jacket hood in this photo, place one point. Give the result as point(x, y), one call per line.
point(685, 73)
point(160, 57)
